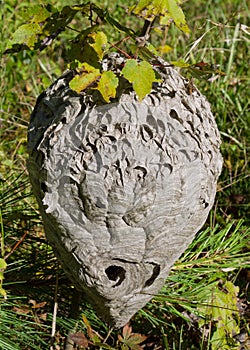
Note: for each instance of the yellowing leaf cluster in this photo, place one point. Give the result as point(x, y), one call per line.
point(140, 74)
point(166, 10)
point(90, 75)
point(86, 51)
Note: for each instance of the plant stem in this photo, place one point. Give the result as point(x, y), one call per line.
point(2, 234)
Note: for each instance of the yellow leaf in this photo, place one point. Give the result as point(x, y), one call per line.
point(87, 76)
point(3, 292)
point(107, 85)
point(164, 49)
point(100, 42)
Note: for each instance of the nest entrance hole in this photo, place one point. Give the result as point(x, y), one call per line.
point(115, 273)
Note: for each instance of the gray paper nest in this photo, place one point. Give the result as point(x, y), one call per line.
point(123, 187)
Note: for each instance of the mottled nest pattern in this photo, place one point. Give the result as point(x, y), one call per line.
point(123, 187)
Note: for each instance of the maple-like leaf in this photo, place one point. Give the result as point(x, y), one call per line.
point(141, 75)
point(131, 340)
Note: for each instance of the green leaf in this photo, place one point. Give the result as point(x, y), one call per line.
point(223, 311)
point(136, 338)
point(146, 52)
point(105, 15)
point(203, 71)
point(36, 14)
point(180, 64)
point(27, 34)
point(141, 6)
point(3, 264)
point(107, 85)
point(141, 75)
point(87, 76)
point(84, 54)
point(58, 21)
point(177, 15)
point(44, 25)
point(219, 340)
point(88, 47)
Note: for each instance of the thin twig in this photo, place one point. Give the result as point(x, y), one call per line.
point(107, 336)
point(16, 245)
point(233, 183)
point(2, 234)
point(232, 138)
point(120, 50)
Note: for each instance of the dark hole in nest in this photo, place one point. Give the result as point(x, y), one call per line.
point(115, 273)
point(155, 274)
point(43, 187)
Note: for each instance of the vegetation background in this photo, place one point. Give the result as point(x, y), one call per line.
point(204, 302)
